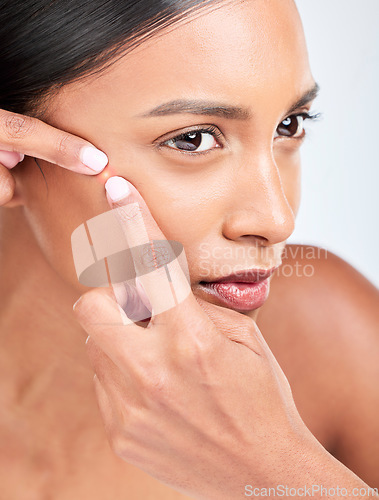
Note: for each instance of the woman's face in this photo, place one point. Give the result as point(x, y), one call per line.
point(236, 71)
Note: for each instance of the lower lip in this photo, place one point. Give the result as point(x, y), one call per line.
point(240, 296)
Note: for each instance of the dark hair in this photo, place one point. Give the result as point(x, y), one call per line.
point(48, 43)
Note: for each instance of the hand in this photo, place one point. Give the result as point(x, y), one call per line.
point(196, 399)
point(23, 135)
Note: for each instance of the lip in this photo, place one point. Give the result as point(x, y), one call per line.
point(242, 291)
point(246, 276)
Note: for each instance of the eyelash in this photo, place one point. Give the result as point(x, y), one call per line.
point(215, 132)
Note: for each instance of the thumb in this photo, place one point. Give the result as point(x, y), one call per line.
point(244, 330)
point(235, 326)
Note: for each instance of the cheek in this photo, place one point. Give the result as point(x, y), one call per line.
point(181, 208)
point(183, 203)
point(55, 208)
point(178, 211)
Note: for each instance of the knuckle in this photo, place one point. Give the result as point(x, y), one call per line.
point(119, 433)
point(247, 324)
point(144, 370)
point(251, 343)
point(146, 366)
point(157, 386)
point(18, 126)
point(249, 335)
point(119, 445)
point(64, 144)
point(195, 350)
point(131, 212)
point(198, 358)
point(125, 449)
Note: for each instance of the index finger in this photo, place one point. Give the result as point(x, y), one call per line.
point(161, 265)
point(33, 137)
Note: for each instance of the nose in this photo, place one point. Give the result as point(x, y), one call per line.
point(259, 208)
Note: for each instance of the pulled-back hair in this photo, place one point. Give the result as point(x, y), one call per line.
point(45, 44)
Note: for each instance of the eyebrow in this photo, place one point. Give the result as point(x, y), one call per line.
point(210, 108)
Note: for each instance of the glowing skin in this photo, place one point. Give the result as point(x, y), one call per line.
point(243, 194)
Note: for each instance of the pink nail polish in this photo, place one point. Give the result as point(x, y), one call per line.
point(10, 158)
point(93, 158)
point(117, 188)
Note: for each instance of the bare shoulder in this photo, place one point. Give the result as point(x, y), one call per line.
point(327, 287)
point(322, 323)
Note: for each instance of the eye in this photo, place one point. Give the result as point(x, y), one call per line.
point(293, 126)
point(195, 141)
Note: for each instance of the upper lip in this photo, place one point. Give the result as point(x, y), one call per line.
point(246, 276)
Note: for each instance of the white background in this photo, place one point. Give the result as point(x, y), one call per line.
point(340, 198)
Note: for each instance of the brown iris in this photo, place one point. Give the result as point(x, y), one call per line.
point(190, 141)
point(289, 127)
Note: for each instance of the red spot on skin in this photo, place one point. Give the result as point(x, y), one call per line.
point(105, 174)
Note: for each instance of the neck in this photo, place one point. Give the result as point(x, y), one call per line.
point(42, 347)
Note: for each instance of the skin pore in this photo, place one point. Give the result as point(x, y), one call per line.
point(242, 194)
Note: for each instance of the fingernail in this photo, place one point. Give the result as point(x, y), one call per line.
point(117, 188)
point(10, 158)
point(93, 158)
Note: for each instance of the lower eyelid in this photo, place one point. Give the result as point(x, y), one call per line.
point(189, 153)
point(283, 138)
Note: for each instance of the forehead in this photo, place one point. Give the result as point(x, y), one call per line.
point(232, 51)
